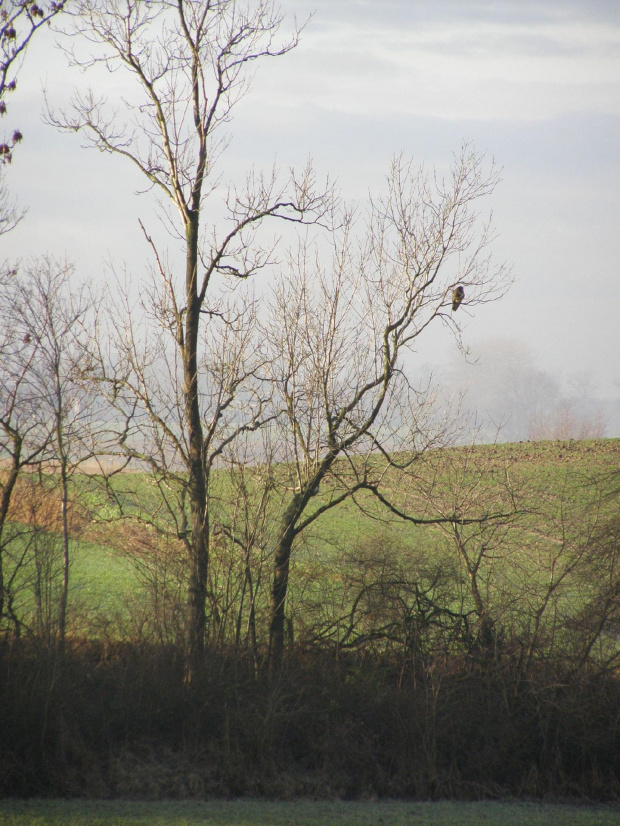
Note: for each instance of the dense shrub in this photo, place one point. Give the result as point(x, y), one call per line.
point(118, 721)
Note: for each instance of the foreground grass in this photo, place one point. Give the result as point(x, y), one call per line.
point(299, 813)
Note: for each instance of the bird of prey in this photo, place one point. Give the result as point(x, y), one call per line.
point(458, 294)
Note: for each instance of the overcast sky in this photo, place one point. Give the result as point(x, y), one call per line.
point(536, 85)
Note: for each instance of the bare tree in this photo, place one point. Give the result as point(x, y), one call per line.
point(46, 421)
point(188, 63)
point(24, 434)
point(20, 433)
point(19, 21)
point(576, 414)
point(142, 378)
point(479, 509)
point(341, 335)
point(500, 381)
point(53, 314)
point(538, 561)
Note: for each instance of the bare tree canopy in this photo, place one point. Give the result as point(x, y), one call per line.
point(339, 333)
point(189, 63)
point(19, 21)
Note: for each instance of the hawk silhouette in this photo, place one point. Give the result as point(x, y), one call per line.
point(458, 294)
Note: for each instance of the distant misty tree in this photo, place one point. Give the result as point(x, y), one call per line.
point(565, 422)
point(503, 385)
point(575, 416)
point(511, 396)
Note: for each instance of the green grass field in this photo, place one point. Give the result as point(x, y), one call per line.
point(301, 813)
point(554, 482)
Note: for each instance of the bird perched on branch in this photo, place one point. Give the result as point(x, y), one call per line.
point(458, 294)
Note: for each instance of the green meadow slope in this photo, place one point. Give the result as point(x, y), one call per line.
point(562, 490)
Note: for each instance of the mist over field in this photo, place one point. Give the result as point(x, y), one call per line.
point(500, 385)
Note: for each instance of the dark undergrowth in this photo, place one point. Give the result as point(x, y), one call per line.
point(118, 722)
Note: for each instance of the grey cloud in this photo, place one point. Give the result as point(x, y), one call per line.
point(471, 43)
point(430, 12)
point(577, 145)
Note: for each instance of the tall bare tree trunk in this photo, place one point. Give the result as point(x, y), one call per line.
point(64, 594)
point(289, 528)
point(199, 544)
point(282, 561)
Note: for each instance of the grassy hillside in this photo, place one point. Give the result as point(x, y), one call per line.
point(561, 491)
